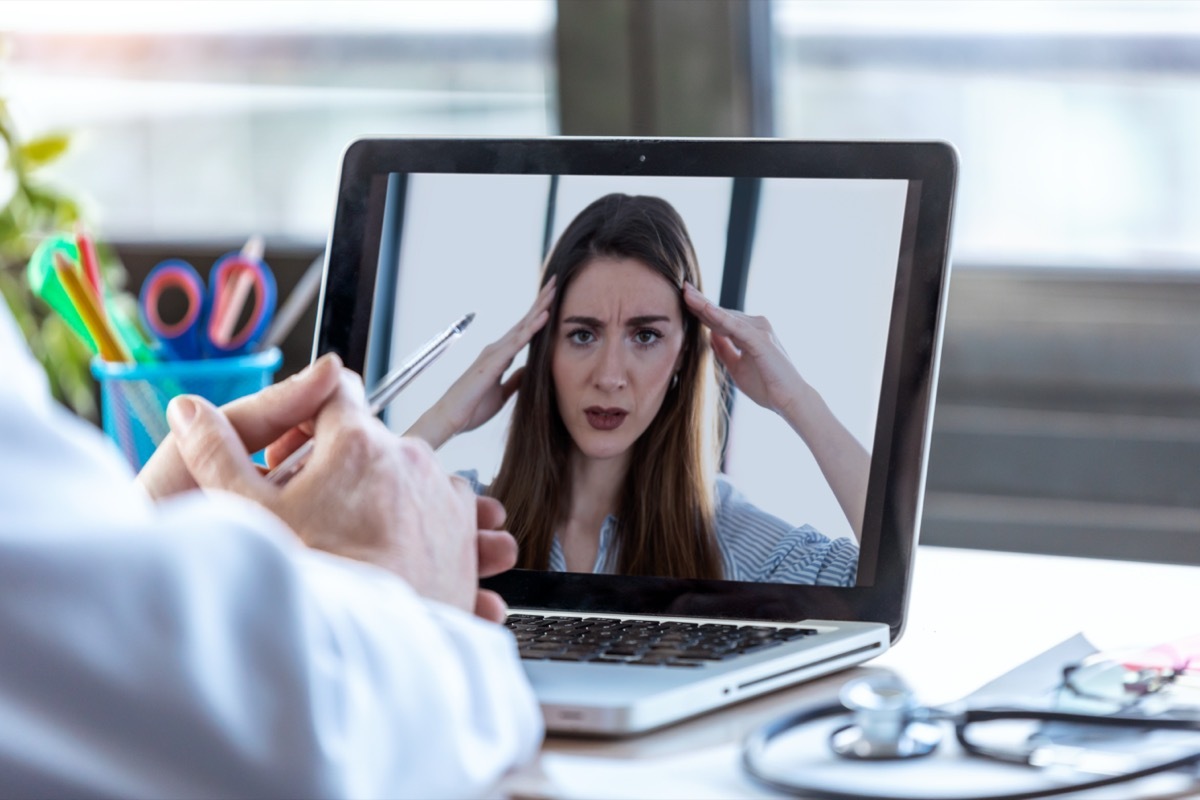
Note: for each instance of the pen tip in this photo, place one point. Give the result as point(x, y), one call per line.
point(467, 319)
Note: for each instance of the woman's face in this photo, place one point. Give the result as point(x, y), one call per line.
point(618, 343)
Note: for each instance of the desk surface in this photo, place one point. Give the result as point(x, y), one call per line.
point(974, 615)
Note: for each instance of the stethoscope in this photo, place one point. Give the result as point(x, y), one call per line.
point(884, 722)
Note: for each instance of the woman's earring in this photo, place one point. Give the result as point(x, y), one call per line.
point(674, 380)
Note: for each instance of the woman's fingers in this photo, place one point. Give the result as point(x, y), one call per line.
point(535, 319)
point(726, 352)
point(481, 391)
point(718, 319)
point(747, 333)
point(748, 348)
point(540, 311)
point(497, 357)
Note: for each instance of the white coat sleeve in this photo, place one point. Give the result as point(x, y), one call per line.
point(195, 648)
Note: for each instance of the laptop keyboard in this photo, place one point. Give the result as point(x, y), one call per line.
point(642, 642)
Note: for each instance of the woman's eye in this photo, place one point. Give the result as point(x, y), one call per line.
point(647, 337)
point(580, 336)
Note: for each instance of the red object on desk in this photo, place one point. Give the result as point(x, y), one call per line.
point(89, 262)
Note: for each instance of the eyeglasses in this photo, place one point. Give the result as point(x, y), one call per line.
point(1157, 680)
point(1159, 685)
point(1073, 750)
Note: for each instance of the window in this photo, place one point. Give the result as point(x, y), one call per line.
point(1066, 416)
point(194, 122)
point(1076, 122)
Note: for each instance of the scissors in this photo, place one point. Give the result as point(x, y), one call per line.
point(208, 327)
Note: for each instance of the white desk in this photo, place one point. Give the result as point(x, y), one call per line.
point(974, 615)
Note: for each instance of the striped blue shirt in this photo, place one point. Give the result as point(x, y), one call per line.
point(755, 546)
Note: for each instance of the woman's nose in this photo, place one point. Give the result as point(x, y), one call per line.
point(610, 372)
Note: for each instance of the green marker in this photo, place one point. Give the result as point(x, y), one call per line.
point(45, 284)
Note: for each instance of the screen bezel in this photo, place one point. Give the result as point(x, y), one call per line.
point(900, 449)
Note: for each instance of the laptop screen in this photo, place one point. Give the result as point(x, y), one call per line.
point(820, 262)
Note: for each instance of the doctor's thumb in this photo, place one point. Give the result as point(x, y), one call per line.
point(209, 446)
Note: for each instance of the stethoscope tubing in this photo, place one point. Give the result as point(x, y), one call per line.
point(756, 743)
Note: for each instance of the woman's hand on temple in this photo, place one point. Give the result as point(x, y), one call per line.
point(482, 391)
point(750, 351)
point(761, 369)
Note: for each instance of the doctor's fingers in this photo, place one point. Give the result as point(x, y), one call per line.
point(497, 552)
point(211, 449)
point(287, 444)
point(490, 513)
point(262, 418)
point(354, 455)
point(344, 408)
point(490, 606)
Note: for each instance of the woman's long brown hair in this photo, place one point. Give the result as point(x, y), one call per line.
point(665, 516)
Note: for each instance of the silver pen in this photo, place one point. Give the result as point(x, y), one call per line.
point(382, 395)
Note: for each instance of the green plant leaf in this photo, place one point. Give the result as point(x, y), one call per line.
point(66, 362)
point(34, 211)
point(16, 295)
point(43, 150)
point(10, 233)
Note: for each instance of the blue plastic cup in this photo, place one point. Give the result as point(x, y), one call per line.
point(134, 397)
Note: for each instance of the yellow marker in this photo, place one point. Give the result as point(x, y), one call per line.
point(109, 345)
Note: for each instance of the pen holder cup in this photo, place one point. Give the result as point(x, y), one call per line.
point(134, 397)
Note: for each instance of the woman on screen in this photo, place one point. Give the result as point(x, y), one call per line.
point(604, 469)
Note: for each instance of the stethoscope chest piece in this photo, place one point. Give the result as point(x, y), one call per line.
point(888, 723)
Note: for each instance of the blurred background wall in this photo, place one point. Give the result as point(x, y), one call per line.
point(1068, 416)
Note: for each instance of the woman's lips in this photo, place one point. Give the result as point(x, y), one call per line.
point(605, 419)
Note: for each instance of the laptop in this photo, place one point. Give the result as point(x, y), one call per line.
point(842, 246)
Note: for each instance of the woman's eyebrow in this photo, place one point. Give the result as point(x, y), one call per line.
point(591, 322)
point(646, 319)
point(632, 322)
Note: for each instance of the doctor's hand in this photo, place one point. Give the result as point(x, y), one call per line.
point(497, 553)
point(363, 494)
point(280, 414)
point(482, 390)
point(750, 351)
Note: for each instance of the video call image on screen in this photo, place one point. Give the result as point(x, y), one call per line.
point(822, 266)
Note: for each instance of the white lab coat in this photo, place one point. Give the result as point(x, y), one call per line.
point(195, 648)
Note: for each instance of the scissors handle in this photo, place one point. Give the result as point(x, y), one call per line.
point(181, 339)
point(233, 279)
